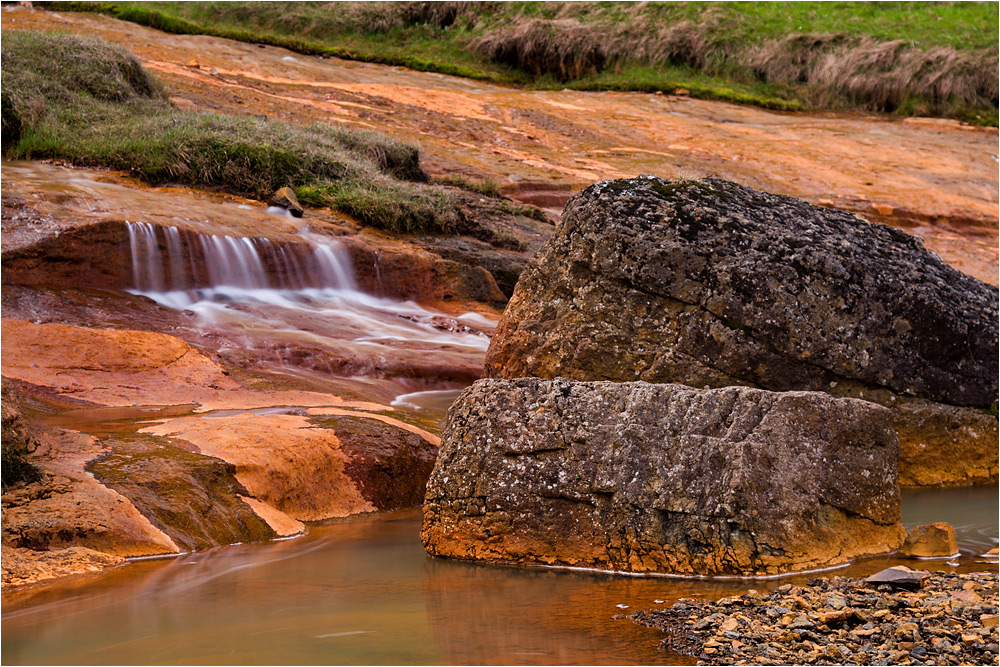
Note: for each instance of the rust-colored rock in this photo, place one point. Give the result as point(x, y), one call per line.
point(68, 507)
point(286, 199)
point(662, 478)
point(934, 540)
point(24, 566)
point(710, 283)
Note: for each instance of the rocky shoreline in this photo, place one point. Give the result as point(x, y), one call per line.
point(928, 618)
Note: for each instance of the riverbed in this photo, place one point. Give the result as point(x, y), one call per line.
point(362, 591)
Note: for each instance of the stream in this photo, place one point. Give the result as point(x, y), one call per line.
point(361, 590)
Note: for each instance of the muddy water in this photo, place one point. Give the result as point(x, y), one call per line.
point(362, 591)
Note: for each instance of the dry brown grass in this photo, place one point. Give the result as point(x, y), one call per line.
point(878, 75)
point(835, 68)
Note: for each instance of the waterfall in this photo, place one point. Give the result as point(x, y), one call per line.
point(147, 261)
point(169, 259)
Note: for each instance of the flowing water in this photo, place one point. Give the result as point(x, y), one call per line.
point(362, 591)
point(252, 284)
point(296, 307)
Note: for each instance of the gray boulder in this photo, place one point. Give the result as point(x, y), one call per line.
point(662, 478)
point(709, 283)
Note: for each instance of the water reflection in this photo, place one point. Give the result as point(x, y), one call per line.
point(362, 591)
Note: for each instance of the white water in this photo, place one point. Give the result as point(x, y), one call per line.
point(265, 295)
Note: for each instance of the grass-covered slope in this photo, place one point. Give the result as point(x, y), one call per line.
point(85, 101)
point(935, 58)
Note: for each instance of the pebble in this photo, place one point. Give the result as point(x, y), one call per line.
point(951, 619)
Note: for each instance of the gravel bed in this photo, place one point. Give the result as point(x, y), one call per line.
point(950, 620)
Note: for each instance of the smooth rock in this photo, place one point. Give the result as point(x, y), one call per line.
point(899, 577)
point(709, 283)
point(934, 540)
point(285, 198)
point(642, 477)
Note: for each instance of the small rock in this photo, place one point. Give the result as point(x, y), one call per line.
point(899, 577)
point(834, 617)
point(285, 198)
point(883, 209)
point(908, 632)
point(836, 601)
point(941, 644)
point(729, 624)
point(682, 92)
point(193, 63)
point(966, 596)
point(801, 622)
point(988, 620)
point(934, 540)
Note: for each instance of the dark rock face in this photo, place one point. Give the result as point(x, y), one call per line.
point(709, 283)
point(194, 499)
point(16, 438)
point(389, 465)
point(642, 477)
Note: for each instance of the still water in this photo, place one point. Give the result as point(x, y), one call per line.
point(362, 591)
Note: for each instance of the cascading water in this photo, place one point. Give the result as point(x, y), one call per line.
point(195, 261)
point(294, 303)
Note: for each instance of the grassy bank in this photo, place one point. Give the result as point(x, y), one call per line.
point(904, 57)
point(85, 101)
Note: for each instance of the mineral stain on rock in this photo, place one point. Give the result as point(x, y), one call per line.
point(662, 478)
point(195, 499)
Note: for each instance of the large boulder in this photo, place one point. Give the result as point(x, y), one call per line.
point(662, 478)
point(709, 283)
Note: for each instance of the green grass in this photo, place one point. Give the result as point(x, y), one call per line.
point(85, 101)
point(760, 53)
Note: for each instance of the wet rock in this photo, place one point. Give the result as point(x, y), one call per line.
point(194, 499)
point(642, 477)
point(389, 465)
point(286, 199)
point(899, 577)
point(24, 566)
point(709, 283)
point(935, 540)
point(67, 507)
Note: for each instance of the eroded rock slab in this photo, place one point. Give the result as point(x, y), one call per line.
point(709, 283)
point(662, 478)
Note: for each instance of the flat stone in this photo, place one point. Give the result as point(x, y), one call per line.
point(899, 577)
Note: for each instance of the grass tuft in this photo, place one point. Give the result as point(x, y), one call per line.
point(85, 101)
point(489, 188)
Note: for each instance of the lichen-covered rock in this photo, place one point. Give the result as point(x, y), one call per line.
point(709, 283)
point(650, 477)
